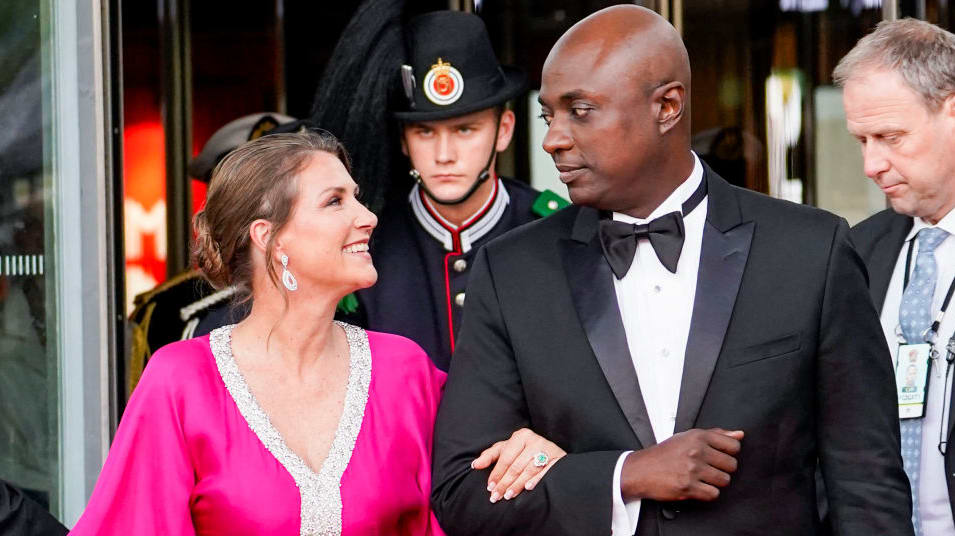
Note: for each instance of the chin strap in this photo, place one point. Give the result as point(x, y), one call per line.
point(483, 176)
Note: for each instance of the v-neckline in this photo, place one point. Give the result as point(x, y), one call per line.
point(320, 492)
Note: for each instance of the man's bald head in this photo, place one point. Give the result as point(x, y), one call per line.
point(629, 35)
point(615, 95)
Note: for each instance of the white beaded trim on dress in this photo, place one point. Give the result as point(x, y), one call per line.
point(320, 492)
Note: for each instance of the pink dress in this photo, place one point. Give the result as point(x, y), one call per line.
point(196, 454)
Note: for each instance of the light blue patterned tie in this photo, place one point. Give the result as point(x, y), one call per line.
point(915, 316)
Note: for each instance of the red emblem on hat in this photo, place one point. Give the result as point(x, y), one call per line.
point(443, 84)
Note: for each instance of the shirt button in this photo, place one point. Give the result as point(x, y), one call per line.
point(665, 352)
point(657, 289)
point(459, 299)
point(460, 265)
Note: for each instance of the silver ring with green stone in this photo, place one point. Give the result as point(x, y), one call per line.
point(540, 459)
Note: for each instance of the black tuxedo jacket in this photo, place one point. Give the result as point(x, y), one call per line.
point(879, 240)
point(784, 344)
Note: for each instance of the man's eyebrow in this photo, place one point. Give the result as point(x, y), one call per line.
point(463, 122)
point(573, 94)
point(568, 96)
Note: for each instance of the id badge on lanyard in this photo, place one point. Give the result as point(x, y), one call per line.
point(913, 364)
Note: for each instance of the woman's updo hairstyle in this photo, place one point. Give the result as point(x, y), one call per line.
point(255, 181)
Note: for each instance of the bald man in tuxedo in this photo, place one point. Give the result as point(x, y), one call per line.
point(697, 349)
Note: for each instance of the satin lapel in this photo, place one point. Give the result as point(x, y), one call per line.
point(726, 244)
point(591, 287)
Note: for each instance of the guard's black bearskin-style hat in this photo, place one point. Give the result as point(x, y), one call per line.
point(454, 69)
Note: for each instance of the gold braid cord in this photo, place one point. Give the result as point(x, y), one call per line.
point(139, 351)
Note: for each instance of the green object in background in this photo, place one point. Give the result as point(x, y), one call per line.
point(548, 203)
point(348, 304)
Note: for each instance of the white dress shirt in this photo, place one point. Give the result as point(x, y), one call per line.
point(934, 507)
point(656, 306)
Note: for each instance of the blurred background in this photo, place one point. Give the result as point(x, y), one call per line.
point(103, 102)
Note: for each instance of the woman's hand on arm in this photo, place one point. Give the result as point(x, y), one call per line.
point(519, 465)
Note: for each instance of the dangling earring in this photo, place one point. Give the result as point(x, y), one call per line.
point(415, 175)
point(287, 278)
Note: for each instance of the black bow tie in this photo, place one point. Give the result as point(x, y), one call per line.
point(619, 239)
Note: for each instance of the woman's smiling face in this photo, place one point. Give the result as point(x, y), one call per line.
point(326, 237)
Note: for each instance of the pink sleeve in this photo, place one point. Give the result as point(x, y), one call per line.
point(147, 479)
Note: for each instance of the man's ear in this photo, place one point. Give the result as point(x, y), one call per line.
point(505, 130)
point(948, 106)
point(946, 114)
point(669, 104)
point(403, 128)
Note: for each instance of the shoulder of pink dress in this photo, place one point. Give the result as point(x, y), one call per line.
point(401, 352)
point(181, 360)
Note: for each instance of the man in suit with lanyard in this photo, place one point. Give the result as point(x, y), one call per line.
point(697, 349)
point(899, 96)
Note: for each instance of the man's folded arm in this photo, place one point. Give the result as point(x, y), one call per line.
point(484, 402)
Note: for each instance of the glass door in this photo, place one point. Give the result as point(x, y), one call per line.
point(765, 113)
point(58, 324)
point(29, 373)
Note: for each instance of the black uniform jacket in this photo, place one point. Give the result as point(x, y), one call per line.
point(784, 344)
point(424, 263)
point(879, 239)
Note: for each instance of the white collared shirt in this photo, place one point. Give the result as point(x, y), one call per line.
point(935, 509)
point(656, 306)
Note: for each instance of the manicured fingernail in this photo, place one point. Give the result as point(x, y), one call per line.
point(472, 464)
point(508, 494)
point(491, 486)
point(529, 486)
point(495, 497)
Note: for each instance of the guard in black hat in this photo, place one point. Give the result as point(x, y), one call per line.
point(449, 102)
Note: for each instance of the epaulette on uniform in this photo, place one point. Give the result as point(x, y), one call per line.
point(192, 313)
point(548, 203)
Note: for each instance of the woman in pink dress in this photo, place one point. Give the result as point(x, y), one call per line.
point(288, 422)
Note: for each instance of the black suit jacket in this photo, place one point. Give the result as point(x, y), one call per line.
point(879, 241)
point(784, 344)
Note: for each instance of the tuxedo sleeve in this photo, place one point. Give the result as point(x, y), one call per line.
point(483, 403)
point(858, 427)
